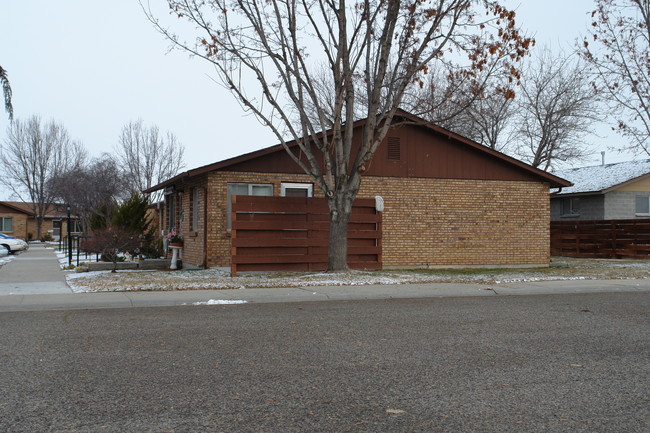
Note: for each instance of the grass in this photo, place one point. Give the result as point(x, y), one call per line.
point(561, 268)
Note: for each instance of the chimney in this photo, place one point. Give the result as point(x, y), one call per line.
point(602, 154)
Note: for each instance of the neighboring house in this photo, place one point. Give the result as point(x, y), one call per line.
point(604, 192)
point(18, 219)
point(448, 201)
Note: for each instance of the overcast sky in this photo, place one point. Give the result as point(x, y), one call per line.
point(96, 65)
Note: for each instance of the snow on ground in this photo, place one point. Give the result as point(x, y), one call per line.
point(6, 258)
point(208, 279)
point(219, 302)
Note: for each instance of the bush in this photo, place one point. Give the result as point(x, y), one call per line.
point(111, 241)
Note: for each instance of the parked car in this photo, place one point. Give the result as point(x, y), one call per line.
point(12, 244)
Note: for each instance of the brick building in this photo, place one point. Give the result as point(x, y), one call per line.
point(19, 219)
point(447, 201)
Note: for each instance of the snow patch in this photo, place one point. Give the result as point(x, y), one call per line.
point(220, 302)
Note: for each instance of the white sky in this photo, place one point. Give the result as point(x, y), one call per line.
point(94, 66)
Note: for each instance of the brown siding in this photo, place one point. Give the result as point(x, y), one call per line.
point(423, 153)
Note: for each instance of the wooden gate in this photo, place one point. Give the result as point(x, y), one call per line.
point(291, 234)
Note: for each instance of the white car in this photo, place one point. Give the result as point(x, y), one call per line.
point(12, 244)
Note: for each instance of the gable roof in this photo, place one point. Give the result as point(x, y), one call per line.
point(53, 211)
point(407, 118)
point(603, 178)
point(17, 206)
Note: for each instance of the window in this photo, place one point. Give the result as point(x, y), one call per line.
point(6, 224)
point(195, 209)
point(571, 206)
point(75, 226)
point(258, 189)
point(642, 204)
point(288, 189)
point(171, 208)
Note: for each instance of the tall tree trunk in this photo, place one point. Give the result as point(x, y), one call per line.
point(39, 226)
point(340, 210)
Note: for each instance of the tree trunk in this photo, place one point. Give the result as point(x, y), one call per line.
point(340, 210)
point(39, 227)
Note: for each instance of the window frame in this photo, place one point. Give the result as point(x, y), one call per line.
point(636, 205)
point(296, 185)
point(250, 186)
point(171, 214)
point(195, 209)
point(2, 224)
point(570, 203)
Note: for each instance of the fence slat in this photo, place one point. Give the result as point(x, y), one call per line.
point(622, 239)
point(291, 233)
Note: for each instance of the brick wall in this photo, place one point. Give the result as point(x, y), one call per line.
point(426, 222)
point(193, 241)
point(443, 222)
point(19, 224)
point(47, 227)
point(621, 205)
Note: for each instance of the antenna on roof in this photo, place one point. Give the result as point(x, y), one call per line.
point(602, 154)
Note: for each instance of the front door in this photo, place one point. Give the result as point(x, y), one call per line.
point(56, 229)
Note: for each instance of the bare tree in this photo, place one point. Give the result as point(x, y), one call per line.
point(90, 190)
point(6, 88)
point(267, 54)
point(556, 109)
point(148, 157)
point(32, 155)
point(488, 120)
point(619, 52)
point(476, 108)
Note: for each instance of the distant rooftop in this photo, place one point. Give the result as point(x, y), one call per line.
point(602, 177)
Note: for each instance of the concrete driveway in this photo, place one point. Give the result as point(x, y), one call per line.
point(33, 272)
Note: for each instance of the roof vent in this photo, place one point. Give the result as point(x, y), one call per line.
point(394, 148)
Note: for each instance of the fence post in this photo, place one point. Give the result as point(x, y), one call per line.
point(233, 235)
point(613, 255)
point(635, 242)
point(379, 239)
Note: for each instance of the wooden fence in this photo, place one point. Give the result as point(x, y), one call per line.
point(621, 239)
point(291, 233)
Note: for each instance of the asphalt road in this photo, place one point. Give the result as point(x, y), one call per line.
point(553, 363)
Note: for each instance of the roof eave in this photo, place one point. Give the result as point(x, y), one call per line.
point(627, 182)
point(554, 181)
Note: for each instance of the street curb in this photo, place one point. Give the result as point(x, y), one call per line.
point(312, 294)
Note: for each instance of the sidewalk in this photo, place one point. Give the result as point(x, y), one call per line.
point(320, 293)
point(33, 272)
point(34, 281)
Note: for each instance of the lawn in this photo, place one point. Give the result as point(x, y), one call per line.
point(561, 268)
